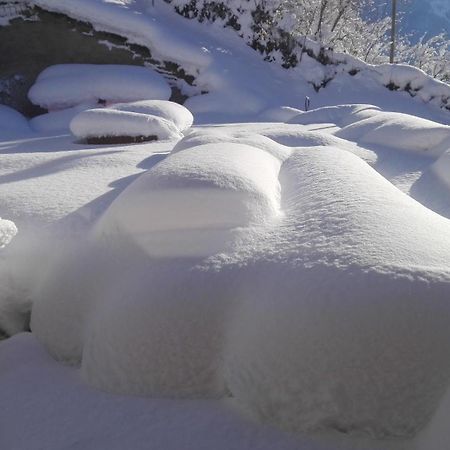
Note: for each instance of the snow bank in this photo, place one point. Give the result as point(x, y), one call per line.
point(279, 114)
point(358, 310)
point(316, 294)
point(106, 122)
point(12, 123)
point(186, 205)
point(400, 131)
point(7, 231)
point(340, 115)
point(181, 117)
point(67, 85)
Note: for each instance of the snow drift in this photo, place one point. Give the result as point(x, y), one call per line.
point(332, 314)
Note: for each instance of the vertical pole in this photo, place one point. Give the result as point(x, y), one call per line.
point(393, 30)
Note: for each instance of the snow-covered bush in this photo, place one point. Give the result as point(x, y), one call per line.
point(67, 85)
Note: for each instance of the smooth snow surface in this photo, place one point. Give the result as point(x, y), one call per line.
point(187, 205)
point(105, 122)
point(67, 85)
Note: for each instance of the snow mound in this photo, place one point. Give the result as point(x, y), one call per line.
point(7, 231)
point(353, 307)
point(67, 85)
point(441, 167)
point(340, 115)
point(187, 204)
point(201, 137)
point(58, 121)
point(12, 123)
point(279, 114)
point(178, 114)
point(106, 122)
point(400, 131)
point(310, 288)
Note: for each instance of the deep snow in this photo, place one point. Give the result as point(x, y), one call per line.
point(300, 268)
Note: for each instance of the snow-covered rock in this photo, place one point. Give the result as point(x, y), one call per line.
point(107, 122)
point(67, 85)
point(58, 121)
point(178, 114)
point(188, 203)
point(7, 231)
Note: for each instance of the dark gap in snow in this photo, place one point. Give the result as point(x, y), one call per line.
point(112, 140)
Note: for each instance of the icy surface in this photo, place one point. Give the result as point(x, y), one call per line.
point(105, 122)
point(67, 85)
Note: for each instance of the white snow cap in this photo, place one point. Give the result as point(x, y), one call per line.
point(181, 117)
point(186, 205)
point(67, 85)
point(107, 122)
point(7, 231)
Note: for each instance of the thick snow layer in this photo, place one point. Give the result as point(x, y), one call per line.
point(58, 121)
point(67, 85)
point(12, 124)
point(340, 115)
point(178, 114)
point(226, 69)
point(7, 231)
point(441, 168)
point(297, 317)
point(400, 131)
point(188, 203)
point(31, 383)
point(106, 122)
point(367, 124)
